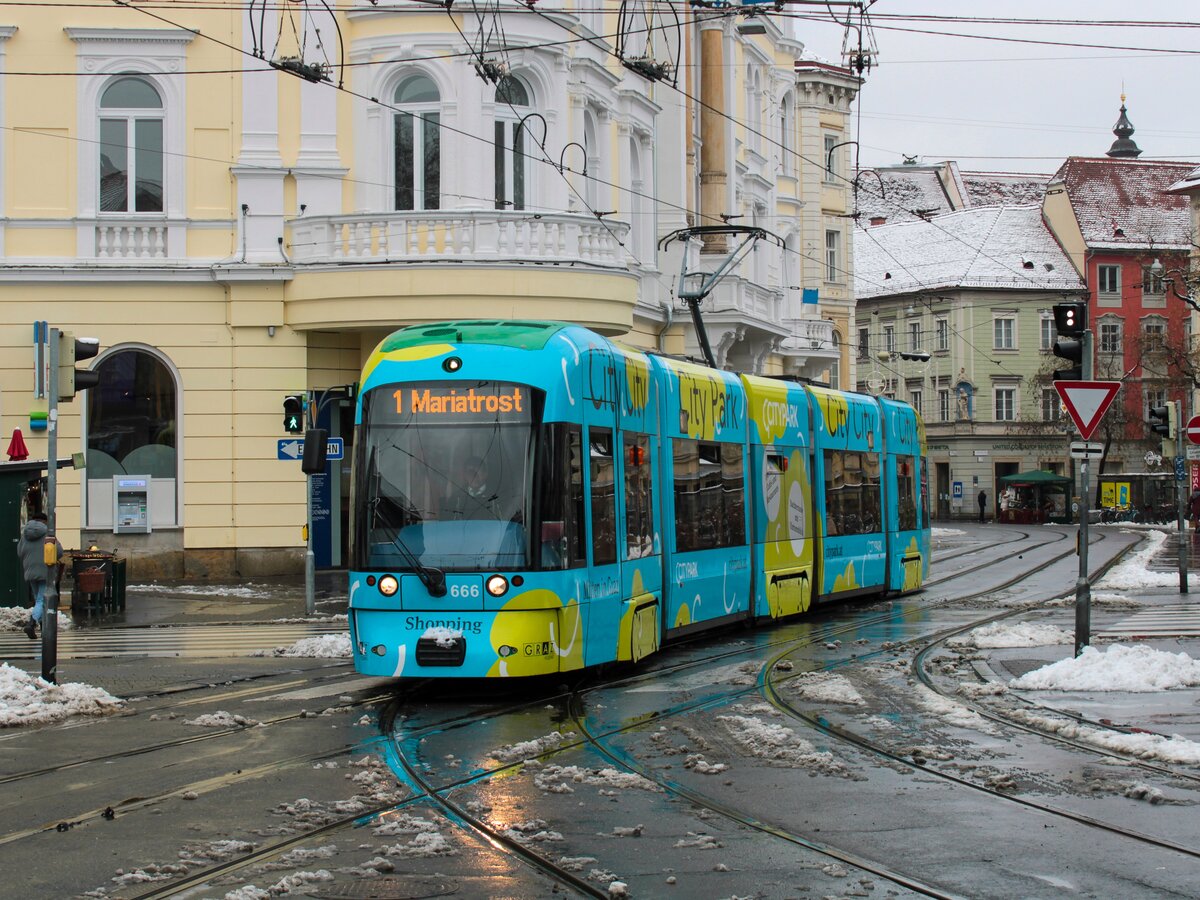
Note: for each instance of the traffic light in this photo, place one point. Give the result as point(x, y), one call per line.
point(70, 351)
point(1164, 423)
point(1070, 321)
point(293, 414)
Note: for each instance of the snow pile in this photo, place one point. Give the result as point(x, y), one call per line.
point(1101, 598)
point(778, 743)
point(952, 713)
point(525, 749)
point(1138, 669)
point(825, 687)
point(242, 592)
point(392, 824)
point(221, 719)
point(1013, 634)
point(424, 845)
point(26, 699)
point(325, 646)
point(559, 779)
point(304, 620)
point(1174, 749)
point(1134, 572)
point(445, 638)
point(944, 532)
point(14, 618)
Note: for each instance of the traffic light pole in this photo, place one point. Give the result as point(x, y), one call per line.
point(1083, 589)
point(310, 559)
point(1181, 490)
point(50, 601)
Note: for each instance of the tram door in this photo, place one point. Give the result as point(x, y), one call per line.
point(640, 550)
point(943, 490)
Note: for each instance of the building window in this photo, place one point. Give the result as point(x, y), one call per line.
point(833, 268)
point(132, 418)
point(943, 334)
point(864, 343)
point(785, 136)
point(943, 404)
point(914, 336)
point(1153, 397)
point(889, 338)
point(131, 147)
point(1155, 329)
point(1110, 337)
point(1051, 405)
point(832, 170)
point(1048, 331)
point(417, 149)
point(914, 400)
point(1108, 279)
point(511, 162)
point(1153, 283)
point(1006, 404)
point(1004, 333)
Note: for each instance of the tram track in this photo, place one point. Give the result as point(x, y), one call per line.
point(598, 743)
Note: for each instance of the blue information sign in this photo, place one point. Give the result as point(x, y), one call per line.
point(293, 448)
point(958, 490)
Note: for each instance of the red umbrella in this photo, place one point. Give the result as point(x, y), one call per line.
point(16, 447)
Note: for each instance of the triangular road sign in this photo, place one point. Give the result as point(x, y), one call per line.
point(1087, 402)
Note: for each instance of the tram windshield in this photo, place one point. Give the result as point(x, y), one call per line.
point(444, 476)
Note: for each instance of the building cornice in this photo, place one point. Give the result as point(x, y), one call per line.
point(131, 35)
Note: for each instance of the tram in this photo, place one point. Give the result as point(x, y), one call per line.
point(532, 498)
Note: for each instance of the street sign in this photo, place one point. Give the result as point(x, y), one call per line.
point(958, 490)
point(1193, 453)
point(1087, 402)
point(293, 448)
point(1084, 450)
point(1179, 468)
point(1192, 429)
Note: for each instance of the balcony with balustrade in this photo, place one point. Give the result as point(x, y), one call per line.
point(418, 265)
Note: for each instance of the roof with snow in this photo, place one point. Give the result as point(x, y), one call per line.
point(1187, 184)
point(1007, 248)
point(1123, 204)
point(1004, 188)
point(910, 192)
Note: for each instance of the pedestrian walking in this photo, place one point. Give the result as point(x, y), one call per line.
point(1194, 508)
point(982, 506)
point(31, 550)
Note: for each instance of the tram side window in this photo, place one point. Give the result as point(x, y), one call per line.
point(687, 494)
point(851, 492)
point(924, 492)
point(604, 498)
point(561, 499)
point(710, 508)
point(906, 492)
point(639, 521)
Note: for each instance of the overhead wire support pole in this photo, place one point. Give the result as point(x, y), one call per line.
point(50, 596)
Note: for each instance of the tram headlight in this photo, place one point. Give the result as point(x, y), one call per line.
point(388, 585)
point(497, 585)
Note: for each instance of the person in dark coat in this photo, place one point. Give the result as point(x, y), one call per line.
point(31, 552)
point(982, 506)
point(1194, 508)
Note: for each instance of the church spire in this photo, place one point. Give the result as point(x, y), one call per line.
point(1124, 147)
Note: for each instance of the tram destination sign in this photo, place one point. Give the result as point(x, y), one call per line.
point(450, 403)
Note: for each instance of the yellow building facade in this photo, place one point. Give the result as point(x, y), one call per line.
point(240, 204)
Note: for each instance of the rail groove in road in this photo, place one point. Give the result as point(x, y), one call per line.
point(217, 640)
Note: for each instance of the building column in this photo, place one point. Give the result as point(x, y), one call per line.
point(713, 126)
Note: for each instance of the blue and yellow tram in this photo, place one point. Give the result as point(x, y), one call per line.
point(532, 498)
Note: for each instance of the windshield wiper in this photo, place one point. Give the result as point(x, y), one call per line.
point(432, 577)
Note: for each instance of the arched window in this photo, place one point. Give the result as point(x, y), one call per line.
point(785, 136)
point(417, 147)
point(132, 417)
point(512, 103)
point(131, 147)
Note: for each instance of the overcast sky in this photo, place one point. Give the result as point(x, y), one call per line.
point(998, 106)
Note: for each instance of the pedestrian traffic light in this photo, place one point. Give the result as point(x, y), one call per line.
point(293, 414)
point(1070, 321)
point(70, 351)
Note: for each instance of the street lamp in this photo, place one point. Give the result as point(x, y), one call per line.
point(1189, 279)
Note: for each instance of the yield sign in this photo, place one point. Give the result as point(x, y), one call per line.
point(1087, 401)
